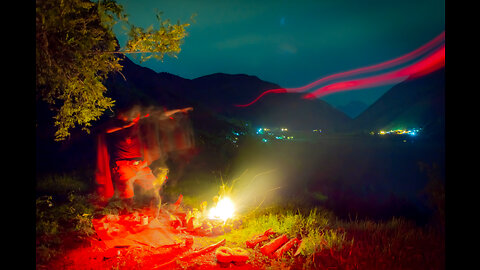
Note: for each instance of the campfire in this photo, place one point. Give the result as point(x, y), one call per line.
point(223, 210)
point(178, 226)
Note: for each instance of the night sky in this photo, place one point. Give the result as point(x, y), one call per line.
point(291, 43)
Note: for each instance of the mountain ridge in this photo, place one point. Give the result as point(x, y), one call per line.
point(217, 93)
point(417, 102)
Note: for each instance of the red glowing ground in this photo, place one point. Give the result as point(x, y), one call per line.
point(123, 242)
point(159, 245)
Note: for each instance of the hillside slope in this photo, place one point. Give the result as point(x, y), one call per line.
point(418, 102)
point(218, 93)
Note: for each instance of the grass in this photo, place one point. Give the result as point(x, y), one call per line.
point(354, 244)
point(314, 228)
point(327, 241)
point(394, 244)
point(61, 183)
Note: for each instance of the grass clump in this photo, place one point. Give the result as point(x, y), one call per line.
point(54, 217)
point(58, 221)
point(313, 227)
point(62, 183)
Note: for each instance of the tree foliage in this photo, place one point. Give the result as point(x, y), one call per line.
point(76, 49)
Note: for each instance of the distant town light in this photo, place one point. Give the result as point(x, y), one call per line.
point(412, 132)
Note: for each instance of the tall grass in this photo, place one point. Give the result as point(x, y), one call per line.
point(344, 244)
point(314, 228)
point(326, 240)
point(61, 183)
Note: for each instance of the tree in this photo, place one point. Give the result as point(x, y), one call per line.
point(76, 49)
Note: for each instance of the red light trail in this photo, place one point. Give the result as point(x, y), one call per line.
point(425, 59)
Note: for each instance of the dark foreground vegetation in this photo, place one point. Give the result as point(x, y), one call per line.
point(67, 240)
point(342, 220)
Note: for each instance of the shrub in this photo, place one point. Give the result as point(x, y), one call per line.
point(61, 183)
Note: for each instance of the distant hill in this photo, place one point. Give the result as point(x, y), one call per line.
point(418, 102)
point(218, 93)
point(413, 103)
point(146, 86)
point(353, 108)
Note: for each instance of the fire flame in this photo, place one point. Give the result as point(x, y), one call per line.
point(223, 210)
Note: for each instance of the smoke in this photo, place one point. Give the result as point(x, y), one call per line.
point(167, 137)
point(264, 176)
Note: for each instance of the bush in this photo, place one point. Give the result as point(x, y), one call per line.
point(53, 218)
point(61, 183)
point(435, 193)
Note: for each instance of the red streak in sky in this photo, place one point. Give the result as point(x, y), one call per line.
point(280, 90)
point(424, 66)
point(427, 65)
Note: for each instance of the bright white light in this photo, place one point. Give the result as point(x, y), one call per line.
point(224, 210)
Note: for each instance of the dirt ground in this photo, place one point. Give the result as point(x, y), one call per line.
point(139, 241)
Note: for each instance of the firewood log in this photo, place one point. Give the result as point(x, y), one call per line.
point(300, 248)
point(174, 262)
point(271, 246)
point(287, 246)
point(226, 255)
point(257, 239)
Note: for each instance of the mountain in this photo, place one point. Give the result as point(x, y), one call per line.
point(141, 84)
point(291, 111)
point(416, 102)
point(353, 108)
point(224, 90)
point(216, 94)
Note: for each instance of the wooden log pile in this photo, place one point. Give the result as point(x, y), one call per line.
point(275, 248)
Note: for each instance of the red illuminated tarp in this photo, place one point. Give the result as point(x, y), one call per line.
point(128, 230)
